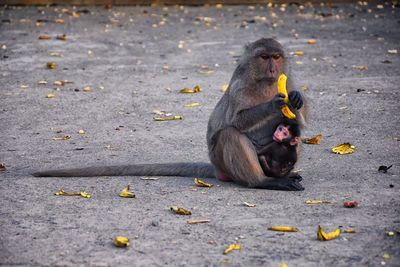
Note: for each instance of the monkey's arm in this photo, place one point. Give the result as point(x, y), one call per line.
point(284, 184)
point(247, 118)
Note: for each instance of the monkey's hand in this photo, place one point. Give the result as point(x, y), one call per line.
point(295, 99)
point(279, 101)
point(283, 184)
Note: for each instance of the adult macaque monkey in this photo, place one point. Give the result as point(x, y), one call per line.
point(242, 123)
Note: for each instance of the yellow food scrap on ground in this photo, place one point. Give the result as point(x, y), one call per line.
point(180, 211)
point(323, 236)
point(121, 241)
point(299, 53)
point(195, 89)
point(282, 264)
point(192, 104)
point(51, 65)
point(224, 87)
point(127, 193)
point(312, 41)
point(231, 248)
point(65, 137)
point(349, 230)
point(314, 201)
point(200, 183)
point(67, 194)
point(250, 205)
point(283, 228)
point(345, 148)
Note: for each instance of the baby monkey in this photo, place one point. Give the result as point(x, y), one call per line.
point(278, 158)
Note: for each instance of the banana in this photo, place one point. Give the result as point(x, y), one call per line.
point(127, 193)
point(282, 89)
point(121, 241)
point(323, 236)
point(282, 228)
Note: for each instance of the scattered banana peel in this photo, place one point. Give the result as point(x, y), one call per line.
point(250, 205)
point(345, 148)
point(315, 201)
point(197, 221)
point(164, 116)
point(50, 95)
point(51, 65)
point(282, 89)
point(224, 88)
point(192, 104)
point(121, 241)
point(200, 183)
point(231, 248)
point(283, 228)
point(349, 231)
point(315, 140)
point(323, 236)
point(127, 193)
point(65, 137)
point(67, 194)
point(282, 264)
point(195, 89)
point(180, 211)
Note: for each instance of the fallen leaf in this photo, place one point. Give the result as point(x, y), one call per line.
point(345, 148)
point(24, 86)
point(43, 82)
point(192, 104)
point(384, 169)
point(317, 202)
point(200, 183)
point(299, 63)
point(196, 89)
point(126, 193)
point(62, 37)
point(56, 54)
point(87, 89)
point(207, 72)
point(197, 221)
point(59, 83)
point(180, 211)
point(2, 167)
point(312, 41)
point(224, 87)
point(81, 131)
point(323, 236)
point(51, 65)
point(315, 140)
point(283, 228)
point(349, 231)
point(121, 241)
point(231, 248)
point(360, 67)
point(44, 37)
point(350, 204)
point(299, 53)
point(59, 21)
point(50, 95)
point(81, 194)
point(249, 204)
point(282, 264)
point(392, 51)
point(65, 137)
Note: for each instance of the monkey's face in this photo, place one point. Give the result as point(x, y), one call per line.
point(269, 65)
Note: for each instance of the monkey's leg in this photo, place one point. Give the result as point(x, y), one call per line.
point(235, 156)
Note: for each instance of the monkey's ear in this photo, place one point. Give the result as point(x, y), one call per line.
point(295, 141)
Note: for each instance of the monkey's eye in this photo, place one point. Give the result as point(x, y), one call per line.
point(276, 56)
point(264, 56)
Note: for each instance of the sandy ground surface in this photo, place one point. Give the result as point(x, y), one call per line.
point(135, 60)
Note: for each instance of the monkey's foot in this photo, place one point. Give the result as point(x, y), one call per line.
point(296, 177)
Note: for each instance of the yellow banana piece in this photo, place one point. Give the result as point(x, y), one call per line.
point(283, 228)
point(323, 236)
point(282, 89)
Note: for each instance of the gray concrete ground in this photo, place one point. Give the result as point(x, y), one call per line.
point(136, 59)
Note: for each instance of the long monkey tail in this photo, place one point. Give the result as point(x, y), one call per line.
point(205, 170)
